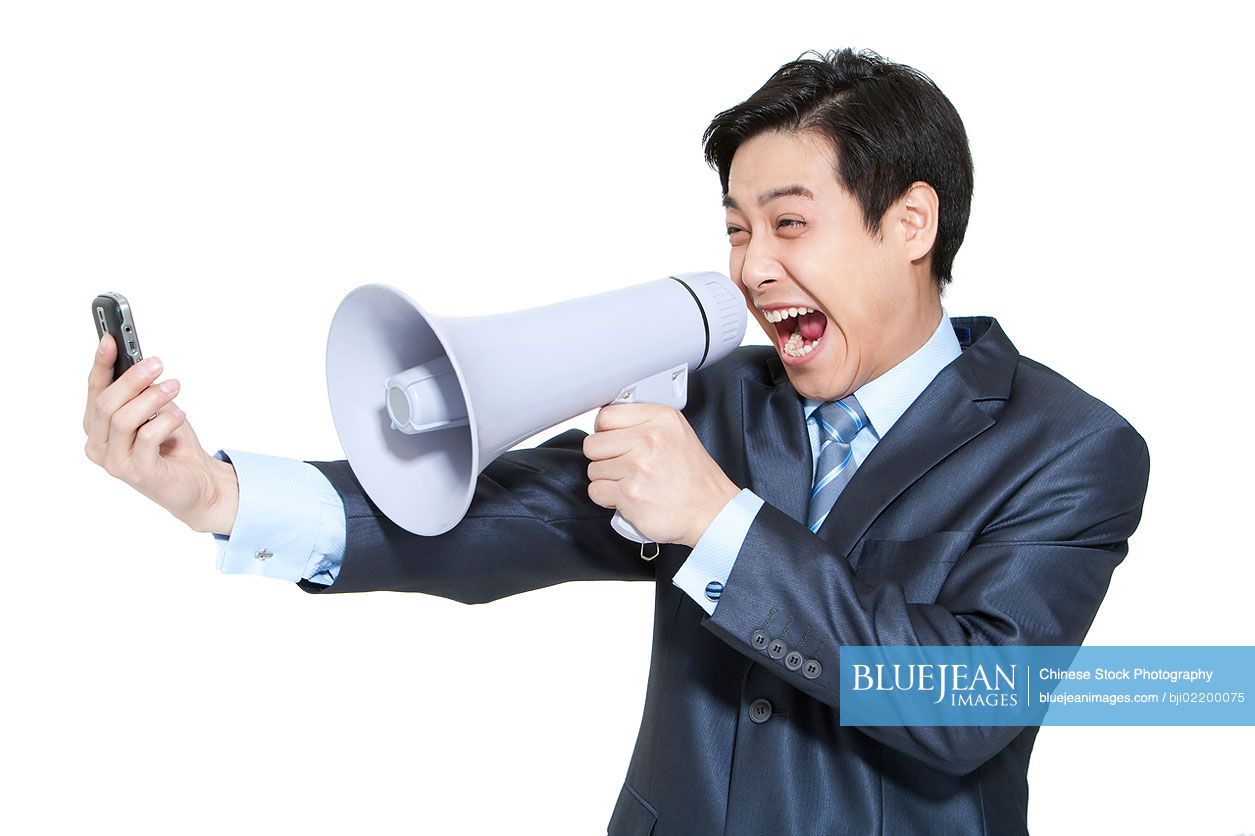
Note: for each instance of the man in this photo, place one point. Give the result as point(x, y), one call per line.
point(983, 499)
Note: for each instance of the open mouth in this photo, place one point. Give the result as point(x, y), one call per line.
point(798, 330)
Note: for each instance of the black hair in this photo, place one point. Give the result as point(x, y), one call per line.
point(889, 125)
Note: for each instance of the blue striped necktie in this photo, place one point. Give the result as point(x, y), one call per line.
point(839, 421)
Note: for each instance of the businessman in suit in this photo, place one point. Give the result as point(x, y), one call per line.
point(884, 474)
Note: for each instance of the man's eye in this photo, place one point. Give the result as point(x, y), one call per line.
point(790, 222)
point(733, 230)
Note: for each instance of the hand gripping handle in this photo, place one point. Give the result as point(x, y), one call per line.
point(668, 387)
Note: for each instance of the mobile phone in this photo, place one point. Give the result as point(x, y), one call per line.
point(112, 313)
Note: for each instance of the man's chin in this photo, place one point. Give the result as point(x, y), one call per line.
point(817, 382)
point(805, 381)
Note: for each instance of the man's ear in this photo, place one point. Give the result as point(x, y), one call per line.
point(916, 215)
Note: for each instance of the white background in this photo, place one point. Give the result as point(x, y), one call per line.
point(236, 168)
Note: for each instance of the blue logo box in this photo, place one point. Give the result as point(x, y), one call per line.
point(1054, 685)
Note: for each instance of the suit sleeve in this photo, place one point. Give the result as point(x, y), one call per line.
point(530, 525)
point(1034, 576)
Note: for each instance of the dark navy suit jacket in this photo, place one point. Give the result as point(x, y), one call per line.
point(993, 512)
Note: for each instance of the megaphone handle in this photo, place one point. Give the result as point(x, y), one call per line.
point(631, 532)
point(669, 387)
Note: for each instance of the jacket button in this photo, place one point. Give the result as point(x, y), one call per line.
point(759, 639)
point(760, 710)
point(793, 661)
point(777, 648)
point(811, 668)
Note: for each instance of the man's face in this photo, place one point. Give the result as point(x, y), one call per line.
point(798, 241)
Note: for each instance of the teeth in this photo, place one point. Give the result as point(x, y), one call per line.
point(781, 314)
point(794, 346)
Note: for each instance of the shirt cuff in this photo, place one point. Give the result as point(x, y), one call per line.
point(289, 524)
point(703, 575)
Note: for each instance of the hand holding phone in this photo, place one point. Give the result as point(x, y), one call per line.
point(136, 432)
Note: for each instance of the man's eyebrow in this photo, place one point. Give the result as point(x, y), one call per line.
point(791, 190)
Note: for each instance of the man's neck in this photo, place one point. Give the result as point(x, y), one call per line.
point(916, 330)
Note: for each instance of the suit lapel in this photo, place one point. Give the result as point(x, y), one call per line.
point(941, 420)
point(777, 447)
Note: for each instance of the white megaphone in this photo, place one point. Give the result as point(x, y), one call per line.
point(423, 403)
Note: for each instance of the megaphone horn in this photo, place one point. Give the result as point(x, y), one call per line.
point(423, 403)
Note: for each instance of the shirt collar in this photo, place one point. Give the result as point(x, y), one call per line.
point(885, 398)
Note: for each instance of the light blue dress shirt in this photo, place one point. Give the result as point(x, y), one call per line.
point(290, 521)
point(289, 524)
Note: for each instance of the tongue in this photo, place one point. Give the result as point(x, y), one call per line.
point(812, 325)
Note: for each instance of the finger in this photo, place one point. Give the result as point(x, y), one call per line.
point(610, 444)
point(100, 376)
point(127, 420)
point(617, 416)
point(603, 492)
point(610, 469)
point(154, 433)
point(117, 394)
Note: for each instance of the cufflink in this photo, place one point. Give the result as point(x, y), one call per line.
point(713, 590)
point(264, 554)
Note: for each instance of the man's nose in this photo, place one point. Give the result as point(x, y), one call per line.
point(761, 266)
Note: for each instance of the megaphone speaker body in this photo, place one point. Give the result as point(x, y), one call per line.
point(423, 403)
